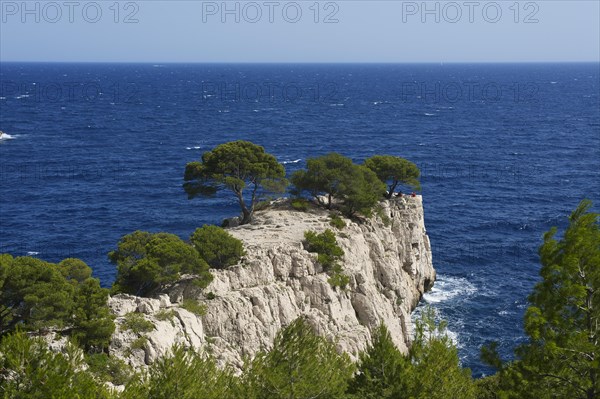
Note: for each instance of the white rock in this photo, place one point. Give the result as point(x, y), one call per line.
point(389, 267)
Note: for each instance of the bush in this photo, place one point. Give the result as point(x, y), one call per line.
point(337, 222)
point(337, 278)
point(137, 323)
point(217, 247)
point(325, 245)
point(164, 315)
point(299, 204)
point(146, 261)
point(199, 309)
point(138, 343)
point(329, 254)
point(109, 368)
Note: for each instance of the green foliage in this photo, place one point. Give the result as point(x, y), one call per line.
point(300, 204)
point(382, 369)
point(137, 323)
point(217, 247)
point(108, 368)
point(329, 254)
point(210, 295)
point(334, 176)
point(145, 261)
point(184, 374)
point(337, 278)
point(435, 371)
point(562, 356)
point(235, 166)
point(300, 365)
point(29, 370)
point(164, 315)
point(393, 170)
point(325, 245)
point(38, 295)
point(337, 222)
point(191, 305)
point(138, 343)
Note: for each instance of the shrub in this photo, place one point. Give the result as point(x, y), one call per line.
point(217, 247)
point(199, 309)
point(164, 315)
point(146, 261)
point(329, 254)
point(139, 343)
point(137, 323)
point(300, 204)
point(325, 245)
point(109, 368)
point(211, 295)
point(337, 278)
point(337, 222)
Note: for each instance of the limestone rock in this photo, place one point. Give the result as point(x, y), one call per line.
point(389, 265)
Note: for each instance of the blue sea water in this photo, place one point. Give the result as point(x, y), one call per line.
point(506, 152)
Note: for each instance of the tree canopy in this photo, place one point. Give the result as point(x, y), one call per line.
point(335, 176)
point(38, 295)
point(393, 171)
point(561, 359)
point(145, 261)
point(217, 247)
point(300, 365)
point(235, 166)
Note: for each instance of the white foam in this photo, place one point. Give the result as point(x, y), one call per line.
point(294, 161)
point(428, 114)
point(32, 253)
point(447, 288)
point(6, 136)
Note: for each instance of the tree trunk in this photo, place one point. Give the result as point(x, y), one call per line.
point(246, 213)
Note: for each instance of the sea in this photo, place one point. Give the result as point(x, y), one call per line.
point(92, 152)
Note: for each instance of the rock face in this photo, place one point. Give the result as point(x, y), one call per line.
point(387, 257)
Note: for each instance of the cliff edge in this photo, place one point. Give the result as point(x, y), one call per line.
point(387, 257)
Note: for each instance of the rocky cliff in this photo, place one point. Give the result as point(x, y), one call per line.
point(387, 257)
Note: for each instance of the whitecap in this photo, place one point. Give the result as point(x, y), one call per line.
point(32, 253)
point(447, 288)
point(428, 114)
point(22, 96)
point(6, 136)
point(294, 161)
point(553, 83)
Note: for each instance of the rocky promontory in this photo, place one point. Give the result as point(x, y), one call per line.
point(387, 257)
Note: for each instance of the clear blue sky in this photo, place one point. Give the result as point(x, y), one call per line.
point(365, 31)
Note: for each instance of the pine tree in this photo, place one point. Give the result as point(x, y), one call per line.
point(301, 365)
point(382, 369)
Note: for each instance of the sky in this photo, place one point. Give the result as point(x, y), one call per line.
point(160, 31)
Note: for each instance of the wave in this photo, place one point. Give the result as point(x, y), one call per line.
point(428, 114)
point(447, 288)
point(6, 136)
point(294, 161)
